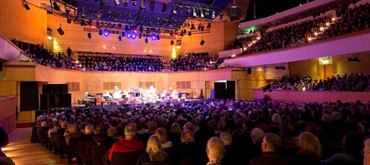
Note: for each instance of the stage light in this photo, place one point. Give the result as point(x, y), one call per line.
point(213, 14)
point(174, 9)
point(26, 6)
point(201, 13)
point(60, 30)
point(56, 7)
point(106, 32)
point(89, 35)
point(164, 7)
point(202, 42)
point(117, 2)
point(154, 37)
point(194, 12)
point(142, 5)
point(152, 5)
point(133, 36)
point(129, 35)
point(119, 38)
point(146, 40)
point(134, 2)
point(125, 3)
point(50, 37)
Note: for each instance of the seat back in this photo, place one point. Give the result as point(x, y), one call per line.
point(97, 153)
point(126, 158)
point(159, 163)
point(188, 162)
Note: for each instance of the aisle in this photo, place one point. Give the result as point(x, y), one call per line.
point(23, 152)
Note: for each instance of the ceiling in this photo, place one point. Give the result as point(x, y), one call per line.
point(163, 14)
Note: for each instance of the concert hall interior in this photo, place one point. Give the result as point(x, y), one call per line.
point(212, 81)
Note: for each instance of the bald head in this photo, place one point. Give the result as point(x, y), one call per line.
point(215, 149)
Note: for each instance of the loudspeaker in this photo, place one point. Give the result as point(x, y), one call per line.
point(234, 13)
point(249, 70)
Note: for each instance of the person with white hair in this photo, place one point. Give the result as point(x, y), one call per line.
point(215, 151)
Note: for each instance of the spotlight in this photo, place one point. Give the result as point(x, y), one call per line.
point(174, 10)
point(125, 3)
point(119, 38)
point(26, 6)
point(154, 37)
point(194, 12)
point(134, 2)
point(202, 42)
point(164, 7)
point(152, 5)
point(142, 5)
point(89, 35)
point(172, 42)
point(146, 40)
point(213, 14)
point(56, 7)
point(117, 2)
point(60, 30)
point(133, 36)
point(106, 32)
point(201, 13)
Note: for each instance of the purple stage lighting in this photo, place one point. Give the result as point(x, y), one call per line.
point(128, 35)
point(154, 37)
point(133, 36)
point(106, 32)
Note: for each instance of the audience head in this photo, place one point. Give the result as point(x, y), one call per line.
point(162, 134)
point(257, 135)
point(99, 129)
point(215, 149)
point(176, 128)
point(187, 136)
point(276, 118)
point(367, 152)
point(226, 138)
point(271, 143)
point(112, 132)
point(309, 144)
point(72, 128)
point(130, 130)
point(154, 149)
point(89, 129)
point(189, 126)
point(152, 126)
point(352, 143)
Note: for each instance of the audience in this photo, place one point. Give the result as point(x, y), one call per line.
point(348, 82)
point(245, 129)
point(190, 62)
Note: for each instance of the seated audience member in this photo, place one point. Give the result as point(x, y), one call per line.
point(187, 149)
point(154, 152)
point(257, 135)
point(129, 143)
point(163, 136)
point(71, 132)
point(309, 150)
point(175, 134)
point(215, 151)
point(229, 150)
point(352, 145)
point(271, 144)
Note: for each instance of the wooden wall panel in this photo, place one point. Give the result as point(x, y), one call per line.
point(7, 111)
point(26, 25)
